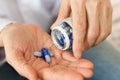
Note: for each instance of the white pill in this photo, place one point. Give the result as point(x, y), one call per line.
point(37, 54)
point(50, 53)
point(47, 58)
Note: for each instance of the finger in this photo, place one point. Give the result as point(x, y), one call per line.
point(79, 26)
point(48, 74)
point(21, 66)
point(93, 12)
point(68, 56)
point(83, 64)
point(64, 12)
point(86, 73)
point(40, 64)
point(105, 21)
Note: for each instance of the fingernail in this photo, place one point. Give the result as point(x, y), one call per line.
point(78, 55)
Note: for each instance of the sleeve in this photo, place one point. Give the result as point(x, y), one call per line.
point(4, 22)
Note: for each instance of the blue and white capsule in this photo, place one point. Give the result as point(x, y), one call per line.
point(46, 54)
point(37, 54)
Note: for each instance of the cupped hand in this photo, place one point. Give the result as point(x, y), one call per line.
point(67, 68)
point(92, 22)
point(22, 40)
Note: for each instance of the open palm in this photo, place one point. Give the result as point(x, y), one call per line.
point(20, 42)
point(67, 70)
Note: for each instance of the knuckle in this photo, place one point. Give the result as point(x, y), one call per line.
point(92, 38)
point(79, 27)
point(93, 2)
point(108, 6)
point(82, 1)
point(110, 9)
point(93, 35)
point(87, 46)
point(80, 22)
point(105, 34)
point(96, 2)
point(81, 4)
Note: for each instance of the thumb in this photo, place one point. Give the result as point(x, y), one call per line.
point(64, 12)
point(18, 62)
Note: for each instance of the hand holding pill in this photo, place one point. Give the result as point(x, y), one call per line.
point(24, 43)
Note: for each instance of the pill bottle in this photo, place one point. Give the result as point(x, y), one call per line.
point(62, 34)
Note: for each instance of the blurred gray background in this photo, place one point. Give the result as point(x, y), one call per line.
point(114, 38)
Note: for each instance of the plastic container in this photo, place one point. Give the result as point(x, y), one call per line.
point(62, 34)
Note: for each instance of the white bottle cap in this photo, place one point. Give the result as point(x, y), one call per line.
point(59, 28)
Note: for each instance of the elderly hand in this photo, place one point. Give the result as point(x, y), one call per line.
point(92, 22)
point(21, 40)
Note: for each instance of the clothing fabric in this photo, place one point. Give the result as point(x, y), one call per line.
point(4, 22)
point(40, 12)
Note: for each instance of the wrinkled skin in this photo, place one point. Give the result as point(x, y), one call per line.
point(21, 40)
point(91, 20)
